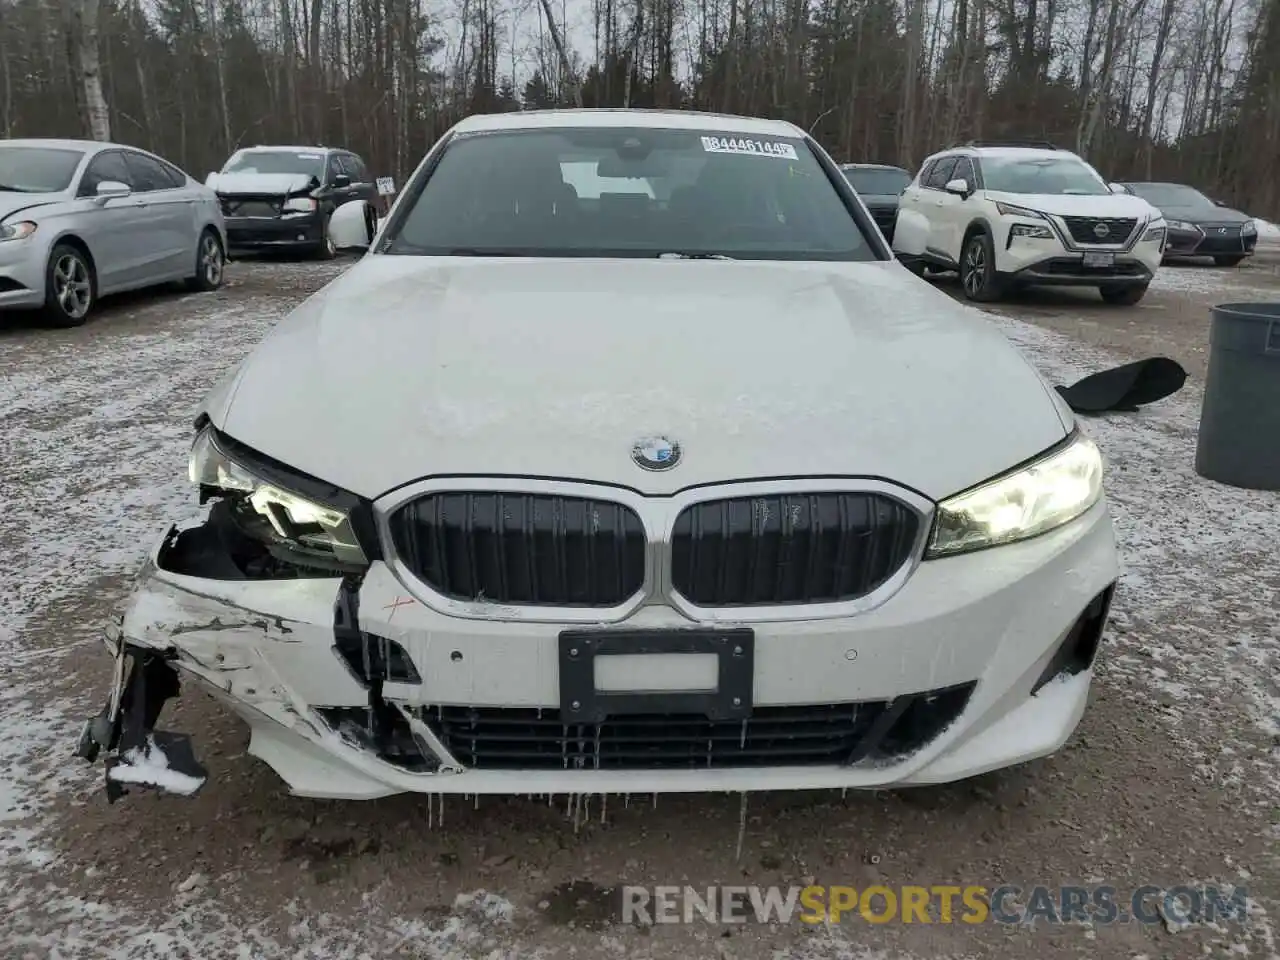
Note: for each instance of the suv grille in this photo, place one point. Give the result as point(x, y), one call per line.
point(786, 549)
point(522, 548)
point(1090, 229)
point(498, 738)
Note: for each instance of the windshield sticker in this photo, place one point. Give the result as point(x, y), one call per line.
point(759, 148)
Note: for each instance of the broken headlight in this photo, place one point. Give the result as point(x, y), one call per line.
point(292, 527)
point(1043, 495)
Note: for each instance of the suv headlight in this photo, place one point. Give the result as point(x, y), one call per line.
point(1182, 225)
point(1248, 227)
point(1154, 234)
point(291, 526)
point(299, 205)
point(1012, 210)
point(1045, 494)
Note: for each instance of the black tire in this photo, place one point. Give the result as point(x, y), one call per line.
point(1229, 260)
point(211, 261)
point(915, 266)
point(1123, 296)
point(325, 250)
point(978, 277)
point(70, 286)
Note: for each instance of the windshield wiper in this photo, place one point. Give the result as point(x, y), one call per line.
point(10, 188)
point(485, 252)
point(678, 255)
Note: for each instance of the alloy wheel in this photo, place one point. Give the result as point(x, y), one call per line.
point(211, 261)
point(975, 268)
point(71, 286)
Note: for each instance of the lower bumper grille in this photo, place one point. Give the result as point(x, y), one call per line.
point(520, 548)
point(790, 549)
point(491, 738)
point(1100, 230)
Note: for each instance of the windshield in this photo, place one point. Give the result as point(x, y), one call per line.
point(629, 192)
point(1045, 175)
point(874, 181)
point(37, 169)
point(276, 161)
point(1170, 195)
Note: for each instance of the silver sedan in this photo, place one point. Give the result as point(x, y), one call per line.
point(81, 219)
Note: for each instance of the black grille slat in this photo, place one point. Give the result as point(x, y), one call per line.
point(520, 548)
point(1084, 229)
point(497, 738)
point(788, 549)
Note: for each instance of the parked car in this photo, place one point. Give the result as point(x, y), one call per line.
point(880, 186)
point(81, 219)
point(691, 488)
point(281, 198)
point(1198, 226)
point(1031, 215)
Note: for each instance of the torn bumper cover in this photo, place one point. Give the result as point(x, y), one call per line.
point(353, 689)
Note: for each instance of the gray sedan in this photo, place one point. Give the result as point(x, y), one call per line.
point(81, 219)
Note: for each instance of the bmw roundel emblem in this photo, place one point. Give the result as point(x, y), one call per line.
point(655, 453)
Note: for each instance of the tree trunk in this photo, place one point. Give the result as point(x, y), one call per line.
point(88, 66)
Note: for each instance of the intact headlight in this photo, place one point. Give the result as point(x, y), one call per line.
point(17, 231)
point(1182, 225)
point(1045, 494)
point(303, 531)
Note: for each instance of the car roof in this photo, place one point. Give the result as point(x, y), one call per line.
point(56, 143)
point(286, 148)
point(611, 117)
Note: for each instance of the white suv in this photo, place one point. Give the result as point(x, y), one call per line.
point(1027, 215)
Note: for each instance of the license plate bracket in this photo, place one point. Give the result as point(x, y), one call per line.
point(582, 702)
point(1099, 259)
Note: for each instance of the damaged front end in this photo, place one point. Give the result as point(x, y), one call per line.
point(256, 600)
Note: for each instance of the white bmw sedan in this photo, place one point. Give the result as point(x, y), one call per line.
point(628, 459)
point(81, 219)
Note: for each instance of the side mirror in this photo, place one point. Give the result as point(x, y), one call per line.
point(958, 187)
point(1117, 188)
point(108, 189)
point(349, 226)
point(1218, 203)
point(910, 234)
point(341, 180)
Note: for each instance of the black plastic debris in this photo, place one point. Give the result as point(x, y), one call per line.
point(1239, 438)
point(1125, 388)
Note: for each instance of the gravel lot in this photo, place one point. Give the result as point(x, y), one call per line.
point(1172, 777)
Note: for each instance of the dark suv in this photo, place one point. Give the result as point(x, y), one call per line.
point(281, 197)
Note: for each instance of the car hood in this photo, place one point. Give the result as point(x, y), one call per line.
point(1068, 205)
point(282, 184)
point(12, 202)
point(408, 367)
point(1204, 214)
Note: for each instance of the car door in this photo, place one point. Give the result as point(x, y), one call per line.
point(934, 204)
point(955, 212)
point(366, 186)
point(114, 229)
point(339, 184)
point(169, 251)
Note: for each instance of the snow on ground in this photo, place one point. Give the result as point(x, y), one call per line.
point(1224, 283)
point(93, 451)
point(1267, 230)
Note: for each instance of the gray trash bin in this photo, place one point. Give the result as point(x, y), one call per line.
point(1239, 441)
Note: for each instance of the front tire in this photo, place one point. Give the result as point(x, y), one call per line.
point(1229, 260)
point(70, 287)
point(1123, 296)
point(326, 250)
point(210, 264)
point(978, 275)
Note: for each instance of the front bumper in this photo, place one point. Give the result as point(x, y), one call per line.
point(1057, 260)
point(978, 662)
point(295, 231)
point(22, 272)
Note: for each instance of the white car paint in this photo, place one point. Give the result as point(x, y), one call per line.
point(412, 375)
point(257, 183)
point(948, 219)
